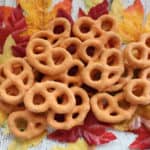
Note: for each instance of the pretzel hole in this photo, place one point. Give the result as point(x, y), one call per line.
point(38, 49)
point(137, 53)
point(54, 41)
point(112, 60)
point(58, 29)
point(148, 76)
point(75, 115)
point(38, 125)
point(17, 68)
point(107, 25)
point(43, 62)
point(70, 85)
point(85, 28)
point(59, 117)
point(72, 48)
point(111, 75)
point(12, 90)
point(113, 113)
point(95, 74)
point(25, 80)
point(91, 91)
point(38, 99)
point(78, 99)
point(21, 124)
point(149, 56)
point(124, 104)
point(62, 99)
point(103, 103)
point(125, 73)
point(2, 73)
point(90, 50)
point(147, 42)
point(73, 71)
point(50, 89)
point(112, 42)
point(58, 58)
point(138, 90)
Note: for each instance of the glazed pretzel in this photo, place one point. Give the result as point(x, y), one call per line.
point(106, 23)
point(145, 74)
point(19, 68)
point(54, 40)
point(72, 45)
point(124, 79)
point(26, 125)
point(12, 91)
point(136, 55)
point(55, 96)
point(103, 74)
point(109, 109)
point(73, 118)
point(137, 91)
point(85, 29)
point(46, 59)
point(145, 39)
point(111, 40)
point(90, 50)
point(60, 27)
point(72, 76)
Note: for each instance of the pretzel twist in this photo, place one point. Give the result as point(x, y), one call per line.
point(109, 109)
point(26, 125)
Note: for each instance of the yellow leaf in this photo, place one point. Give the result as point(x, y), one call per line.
point(7, 52)
point(37, 14)
point(147, 24)
point(91, 3)
point(117, 9)
point(17, 144)
point(79, 145)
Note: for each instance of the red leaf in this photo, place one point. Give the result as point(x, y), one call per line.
point(14, 24)
point(81, 13)
point(142, 142)
point(99, 10)
point(62, 13)
point(92, 131)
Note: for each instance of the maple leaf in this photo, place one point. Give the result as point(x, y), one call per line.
point(142, 142)
point(92, 131)
point(13, 23)
point(130, 20)
point(37, 14)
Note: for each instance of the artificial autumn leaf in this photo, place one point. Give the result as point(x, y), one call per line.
point(147, 23)
point(17, 144)
point(15, 25)
point(65, 5)
point(91, 3)
point(92, 131)
point(7, 51)
point(117, 9)
point(142, 142)
point(81, 13)
point(37, 14)
point(98, 10)
point(130, 21)
point(63, 13)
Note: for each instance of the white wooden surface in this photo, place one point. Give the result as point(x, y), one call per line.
point(123, 139)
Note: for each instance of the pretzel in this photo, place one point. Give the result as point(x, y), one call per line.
point(137, 91)
point(73, 118)
point(124, 79)
point(145, 74)
point(60, 27)
point(47, 60)
point(106, 23)
point(12, 91)
point(145, 39)
point(18, 67)
point(103, 74)
point(109, 109)
point(90, 50)
point(26, 125)
point(41, 97)
point(136, 55)
point(72, 45)
point(54, 40)
point(85, 29)
point(111, 40)
point(72, 76)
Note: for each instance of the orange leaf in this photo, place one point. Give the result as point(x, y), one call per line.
point(66, 5)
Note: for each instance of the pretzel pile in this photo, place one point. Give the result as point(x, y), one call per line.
point(69, 70)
